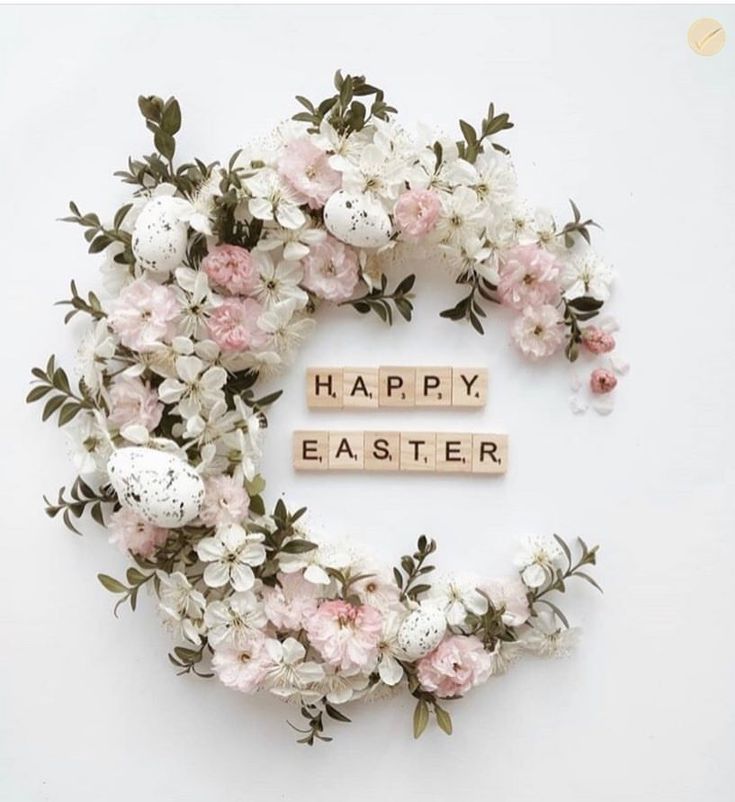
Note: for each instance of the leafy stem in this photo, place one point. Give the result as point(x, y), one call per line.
point(379, 300)
point(577, 311)
point(414, 567)
point(81, 498)
point(473, 144)
point(577, 226)
point(128, 593)
point(314, 716)
point(91, 306)
point(469, 308)
point(54, 383)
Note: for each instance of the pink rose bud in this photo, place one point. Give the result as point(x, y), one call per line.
point(602, 381)
point(597, 341)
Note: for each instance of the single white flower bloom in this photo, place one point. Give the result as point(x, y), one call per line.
point(495, 179)
point(389, 669)
point(196, 300)
point(242, 447)
point(196, 387)
point(587, 275)
point(234, 621)
point(95, 351)
point(285, 325)
point(279, 281)
point(537, 559)
point(230, 556)
point(290, 673)
point(547, 638)
point(375, 172)
point(273, 199)
point(89, 446)
point(462, 217)
point(314, 563)
point(182, 605)
point(339, 688)
point(458, 596)
point(296, 243)
point(200, 210)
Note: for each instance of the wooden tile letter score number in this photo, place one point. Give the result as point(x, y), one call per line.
point(428, 452)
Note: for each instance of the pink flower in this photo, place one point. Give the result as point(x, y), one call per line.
point(417, 212)
point(225, 501)
point(602, 381)
point(597, 341)
point(345, 635)
point(234, 325)
point(305, 168)
point(134, 403)
point(291, 603)
point(331, 270)
point(529, 276)
point(510, 594)
point(131, 533)
point(538, 331)
point(144, 314)
point(232, 267)
point(457, 664)
point(243, 668)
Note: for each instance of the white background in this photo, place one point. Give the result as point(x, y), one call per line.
point(611, 108)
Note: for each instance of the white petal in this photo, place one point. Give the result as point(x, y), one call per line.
point(216, 575)
point(242, 576)
point(390, 670)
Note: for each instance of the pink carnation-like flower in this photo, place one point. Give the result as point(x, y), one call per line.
point(457, 664)
point(144, 314)
point(529, 276)
point(291, 603)
point(597, 341)
point(417, 212)
point(130, 533)
point(538, 331)
point(306, 169)
point(243, 668)
point(134, 403)
point(234, 325)
point(602, 381)
point(225, 501)
point(331, 270)
point(232, 267)
point(346, 635)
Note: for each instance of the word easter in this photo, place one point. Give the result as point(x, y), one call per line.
point(431, 452)
point(345, 388)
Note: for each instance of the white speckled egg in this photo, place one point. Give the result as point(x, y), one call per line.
point(159, 236)
point(161, 488)
point(422, 631)
point(358, 220)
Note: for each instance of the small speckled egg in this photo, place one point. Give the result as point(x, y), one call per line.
point(422, 631)
point(161, 488)
point(159, 236)
point(358, 220)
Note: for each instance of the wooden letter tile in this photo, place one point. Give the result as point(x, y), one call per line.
point(397, 387)
point(418, 451)
point(324, 387)
point(453, 452)
point(346, 451)
point(382, 451)
point(311, 451)
point(469, 387)
point(489, 453)
point(359, 387)
point(433, 387)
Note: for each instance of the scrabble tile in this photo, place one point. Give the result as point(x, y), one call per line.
point(346, 450)
point(324, 387)
point(433, 387)
point(311, 451)
point(359, 387)
point(469, 387)
point(382, 451)
point(418, 451)
point(453, 452)
point(489, 453)
point(397, 387)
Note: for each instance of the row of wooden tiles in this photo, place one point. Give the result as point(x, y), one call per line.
point(437, 452)
point(406, 386)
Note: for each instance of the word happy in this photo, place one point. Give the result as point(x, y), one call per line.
point(344, 388)
point(430, 452)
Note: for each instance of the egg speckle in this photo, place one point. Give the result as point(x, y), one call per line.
point(358, 220)
point(422, 631)
point(159, 236)
point(161, 488)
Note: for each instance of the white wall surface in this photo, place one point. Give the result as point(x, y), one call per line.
point(611, 108)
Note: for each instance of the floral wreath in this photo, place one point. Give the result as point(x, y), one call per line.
point(213, 274)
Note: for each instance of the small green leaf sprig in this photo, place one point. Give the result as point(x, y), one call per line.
point(378, 300)
point(472, 144)
point(82, 498)
point(51, 384)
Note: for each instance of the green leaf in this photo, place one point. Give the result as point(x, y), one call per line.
point(69, 412)
point(443, 719)
point(298, 547)
point(589, 579)
point(468, 132)
point(111, 584)
point(420, 718)
point(171, 118)
point(51, 406)
point(165, 144)
point(37, 393)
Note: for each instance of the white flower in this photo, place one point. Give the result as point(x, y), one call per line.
point(200, 209)
point(345, 148)
point(587, 275)
point(279, 282)
point(315, 562)
point(182, 604)
point(296, 243)
point(273, 199)
point(286, 327)
point(230, 555)
point(234, 621)
point(89, 445)
point(389, 669)
point(495, 179)
point(538, 331)
point(339, 688)
point(197, 386)
point(461, 218)
point(377, 588)
point(210, 426)
point(242, 446)
point(545, 637)
point(195, 297)
point(96, 349)
point(289, 673)
point(537, 559)
point(458, 596)
point(374, 171)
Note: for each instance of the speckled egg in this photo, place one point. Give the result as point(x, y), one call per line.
point(159, 236)
point(422, 631)
point(358, 220)
point(161, 488)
